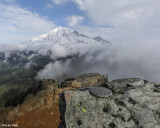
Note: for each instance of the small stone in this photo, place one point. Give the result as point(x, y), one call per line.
point(100, 92)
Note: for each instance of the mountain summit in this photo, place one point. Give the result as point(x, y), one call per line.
point(66, 36)
point(58, 32)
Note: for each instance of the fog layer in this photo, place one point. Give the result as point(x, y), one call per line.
point(118, 60)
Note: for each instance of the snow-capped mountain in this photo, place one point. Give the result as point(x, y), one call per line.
point(62, 42)
point(59, 37)
point(65, 36)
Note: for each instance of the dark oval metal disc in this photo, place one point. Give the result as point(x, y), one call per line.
point(100, 92)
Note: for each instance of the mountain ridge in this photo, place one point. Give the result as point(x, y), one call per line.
point(64, 32)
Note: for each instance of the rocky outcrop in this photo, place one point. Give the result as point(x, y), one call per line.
point(88, 101)
point(88, 79)
point(135, 103)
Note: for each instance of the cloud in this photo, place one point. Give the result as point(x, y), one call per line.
point(133, 20)
point(10, 0)
point(74, 20)
point(109, 33)
point(58, 51)
point(57, 70)
point(49, 6)
point(118, 12)
point(116, 60)
point(59, 1)
point(19, 24)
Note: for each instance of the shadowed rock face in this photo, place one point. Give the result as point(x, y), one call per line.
point(135, 103)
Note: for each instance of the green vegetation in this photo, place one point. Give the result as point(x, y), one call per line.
point(9, 73)
point(16, 79)
point(5, 77)
point(12, 89)
point(26, 73)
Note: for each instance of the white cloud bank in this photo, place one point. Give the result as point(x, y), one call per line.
point(74, 20)
point(117, 61)
point(131, 20)
point(18, 24)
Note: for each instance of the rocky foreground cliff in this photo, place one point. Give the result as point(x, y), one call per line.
point(88, 101)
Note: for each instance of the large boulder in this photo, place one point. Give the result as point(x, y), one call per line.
point(134, 103)
point(88, 79)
